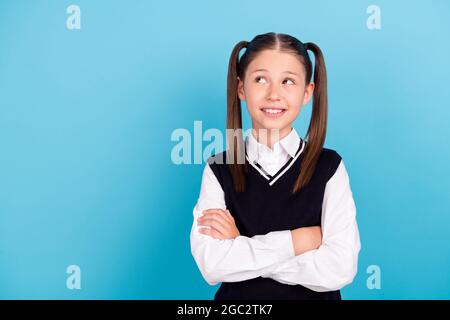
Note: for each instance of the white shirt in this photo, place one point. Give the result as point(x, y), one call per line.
point(330, 267)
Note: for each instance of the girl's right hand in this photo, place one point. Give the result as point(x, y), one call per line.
point(306, 239)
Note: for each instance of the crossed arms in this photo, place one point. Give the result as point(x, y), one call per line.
point(288, 256)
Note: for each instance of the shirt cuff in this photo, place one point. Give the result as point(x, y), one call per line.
point(280, 241)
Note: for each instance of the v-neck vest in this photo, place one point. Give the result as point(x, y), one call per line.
point(269, 205)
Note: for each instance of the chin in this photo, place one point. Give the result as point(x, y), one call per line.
point(274, 125)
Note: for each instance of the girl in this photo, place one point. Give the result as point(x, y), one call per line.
point(277, 220)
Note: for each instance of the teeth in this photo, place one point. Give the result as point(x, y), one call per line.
point(273, 111)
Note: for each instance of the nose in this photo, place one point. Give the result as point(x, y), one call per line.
point(273, 93)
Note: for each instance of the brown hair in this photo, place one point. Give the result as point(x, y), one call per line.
point(317, 126)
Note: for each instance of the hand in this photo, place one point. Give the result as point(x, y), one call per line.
point(306, 238)
point(221, 223)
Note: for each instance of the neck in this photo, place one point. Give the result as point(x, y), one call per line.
point(270, 136)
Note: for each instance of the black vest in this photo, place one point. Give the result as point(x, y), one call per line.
point(263, 208)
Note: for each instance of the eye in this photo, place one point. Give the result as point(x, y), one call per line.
point(291, 81)
point(258, 78)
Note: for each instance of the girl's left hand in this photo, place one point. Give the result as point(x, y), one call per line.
point(221, 223)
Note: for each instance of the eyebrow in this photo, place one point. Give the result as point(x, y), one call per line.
point(287, 71)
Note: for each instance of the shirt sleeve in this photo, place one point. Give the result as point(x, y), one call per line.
point(334, 264)
point(238, 259)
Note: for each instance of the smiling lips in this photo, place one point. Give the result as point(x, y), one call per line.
point(274, 112)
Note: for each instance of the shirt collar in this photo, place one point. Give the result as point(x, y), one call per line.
point(288, 144)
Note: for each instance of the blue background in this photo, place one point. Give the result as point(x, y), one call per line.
point(86, 118)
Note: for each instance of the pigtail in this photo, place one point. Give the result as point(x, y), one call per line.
point(315, 136)
point(234, 137)
point(318, 124)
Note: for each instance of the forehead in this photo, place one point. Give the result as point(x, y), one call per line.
point(276, 61)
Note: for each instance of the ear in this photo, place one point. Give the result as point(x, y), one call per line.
point(309, 90)
point(240, 89)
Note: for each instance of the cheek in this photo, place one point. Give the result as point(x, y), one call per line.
point(254, 96)
point(295, 102)
point(295, 99)
point(294, 111)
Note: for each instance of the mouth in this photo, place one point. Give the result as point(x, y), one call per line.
point(273, 112)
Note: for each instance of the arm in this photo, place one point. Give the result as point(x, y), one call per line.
point(306, 238)
point(334, 264)
point(238, 259)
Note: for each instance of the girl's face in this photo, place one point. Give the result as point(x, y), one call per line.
point(274, 90)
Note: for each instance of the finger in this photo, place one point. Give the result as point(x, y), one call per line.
point(229, 215)
point(213, 215)
point(225, 218)
point(217, 224)
point(222, 213)
point(211, 210)
point(211, 232)
point(218, 215)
